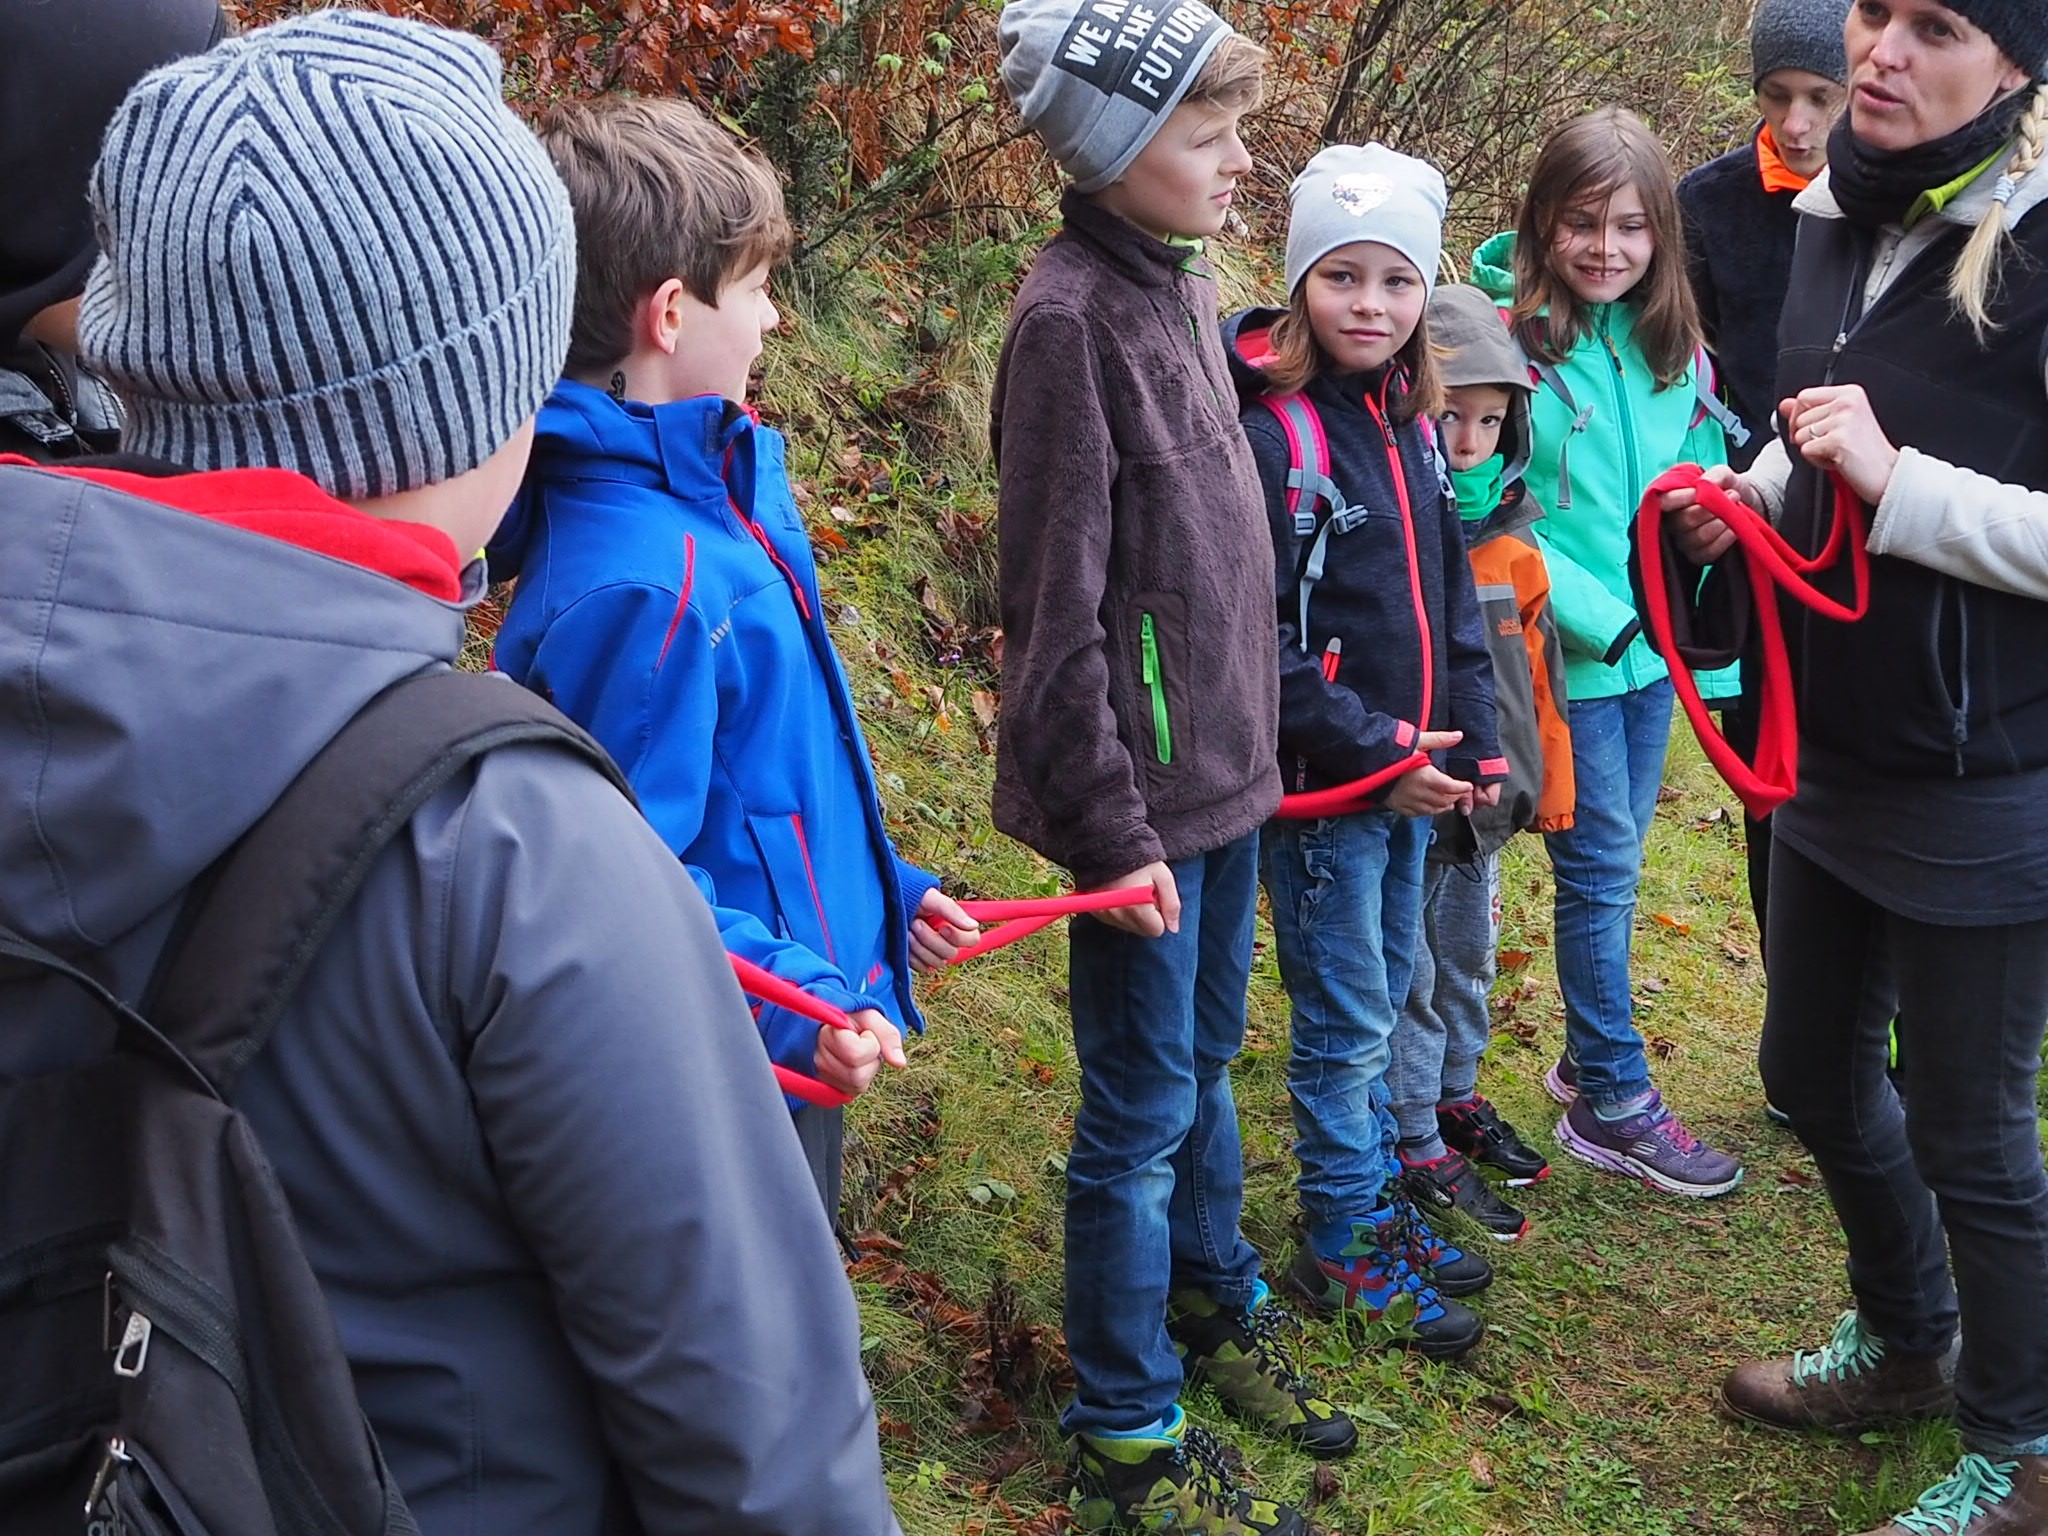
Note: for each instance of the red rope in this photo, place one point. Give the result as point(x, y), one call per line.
point(770, 988)
point(1773, 566)
point(1014, 920)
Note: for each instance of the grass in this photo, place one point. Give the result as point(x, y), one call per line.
point(1590, 1407)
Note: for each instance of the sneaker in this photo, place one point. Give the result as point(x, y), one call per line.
point(1653, 1146)
point(1851, 1383)
point(1476, 1129)
point(1375, 1280)
point(1777, 1116)
point(1452, 1270)
point(1561, 1082)
point(1984, 1496)
point(1179, 1481)
point(1452, 1184)
point(1241, 1356)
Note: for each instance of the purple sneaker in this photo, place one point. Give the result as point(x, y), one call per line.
point(1653, 1146)
point(1561, 1082)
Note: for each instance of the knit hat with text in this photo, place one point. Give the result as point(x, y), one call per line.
point(329, 246)
point(1095, 79)
point(1798, 34)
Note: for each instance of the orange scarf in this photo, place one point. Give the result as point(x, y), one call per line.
point(1778, 176)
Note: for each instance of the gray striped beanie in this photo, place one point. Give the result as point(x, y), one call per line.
point(329, 246)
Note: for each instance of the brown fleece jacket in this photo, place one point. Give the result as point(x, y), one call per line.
point(1140, 668)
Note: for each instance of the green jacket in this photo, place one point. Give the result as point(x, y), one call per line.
point(1633, 432)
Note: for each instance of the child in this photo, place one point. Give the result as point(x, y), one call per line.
point(1602, 307)
point(1381, 659)
point(668, 602)
point(1445, 1125)
point(1133, 554)
point(540, 1171)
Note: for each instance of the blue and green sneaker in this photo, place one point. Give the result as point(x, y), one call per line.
point(1374, 1278)
point(1242, 1356)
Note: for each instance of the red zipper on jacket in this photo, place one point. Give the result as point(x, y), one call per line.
point(767, 546)
point(1377, 410)
point(803, 846)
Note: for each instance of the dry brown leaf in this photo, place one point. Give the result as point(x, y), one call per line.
point(1514, 959)
point(1482, 1471)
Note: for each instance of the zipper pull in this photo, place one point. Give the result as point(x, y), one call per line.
point(117, 1450)
point(1332, 654)
point(134, 1350)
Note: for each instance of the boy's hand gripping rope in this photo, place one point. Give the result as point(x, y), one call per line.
point(1772, 566)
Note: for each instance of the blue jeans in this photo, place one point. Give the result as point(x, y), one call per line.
point(1618, 749)
point(1347, 912)
point(1445, 1027)
point(1155, 1180)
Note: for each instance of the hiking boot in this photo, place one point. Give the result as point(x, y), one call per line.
point(1652, 1145)
point(1451, 1184)
point(1178, 1480)
point(1449, 1268)
point(1475, 1129)
point(1561, 1082)
point(1241, 1356)
point(1851, 1383)
point(1375, 1279)
point(1984, 1496)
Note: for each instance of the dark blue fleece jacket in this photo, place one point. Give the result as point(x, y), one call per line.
point(668, 603)
point(1393, 645)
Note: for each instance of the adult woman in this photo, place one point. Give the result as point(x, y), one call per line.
point(1913, 368)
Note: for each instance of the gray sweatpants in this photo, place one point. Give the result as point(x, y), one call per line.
point(1443, 1031)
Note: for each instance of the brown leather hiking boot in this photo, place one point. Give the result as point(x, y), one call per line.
point(1984, 1496)
point(1850, 1384)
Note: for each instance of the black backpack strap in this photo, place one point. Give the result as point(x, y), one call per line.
point(263, 913)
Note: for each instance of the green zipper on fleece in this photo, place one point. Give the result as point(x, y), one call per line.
point(1162, 730)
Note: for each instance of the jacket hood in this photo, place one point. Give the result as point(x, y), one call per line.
point(1476, 347)
point(1246, 343)
point(583, 433)
point(165, 673)
point(1493, 268)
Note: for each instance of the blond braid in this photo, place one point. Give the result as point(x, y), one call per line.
point(1976, 276)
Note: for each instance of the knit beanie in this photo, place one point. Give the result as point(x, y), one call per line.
point(329, 246)
point(2019, 27)
point(1798, 34)
point(63, 70)
point(1353, 192)
point(1095, 79)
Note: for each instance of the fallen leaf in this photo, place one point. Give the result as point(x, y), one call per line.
point(1514, 959)
point(1666, 920)
point(1482, 1472)
point(841, 514)
point(984, 704)
point(1652, 985)
point(1661, 1048)
point(1322, 1488)
point(1666, 794)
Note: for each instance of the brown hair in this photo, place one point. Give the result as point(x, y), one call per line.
point(1588, 160)
point(1233, 78)
point(1299, 357)
point(659, 191)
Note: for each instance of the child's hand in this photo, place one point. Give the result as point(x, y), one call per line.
point(939, 931)
point(1702, 537)
point(1485, 794)
point(849, 1061)
point(1146, 922)
point(1427, 790)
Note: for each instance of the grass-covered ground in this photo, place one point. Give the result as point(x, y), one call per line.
point(1590, 1406)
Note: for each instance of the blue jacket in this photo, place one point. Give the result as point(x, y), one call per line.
point(668, 602)
point(1393, 644)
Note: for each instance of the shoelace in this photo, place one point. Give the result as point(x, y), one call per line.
point(1400, 1274)
point(1268, 1328)
point(1212, 1463)
point(1849, 1351)
point(1951, 1504)
point(1672, 1129)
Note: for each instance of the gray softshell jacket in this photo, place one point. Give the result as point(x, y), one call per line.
point(524, 1121)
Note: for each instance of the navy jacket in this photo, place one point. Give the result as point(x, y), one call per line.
point(1393, 645)
point(1738, 253)
point(668, 603)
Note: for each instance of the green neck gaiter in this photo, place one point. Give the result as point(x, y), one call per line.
point(1479, 487)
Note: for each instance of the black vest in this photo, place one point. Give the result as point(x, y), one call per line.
point(1942, 677)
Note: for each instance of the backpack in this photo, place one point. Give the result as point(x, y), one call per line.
point(171, 1365)
point(1309, 488)
point(1705, 387)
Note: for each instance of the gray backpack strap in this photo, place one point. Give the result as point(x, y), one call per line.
point(1309, 486)
point(1711, 404)
point(1581, 418)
